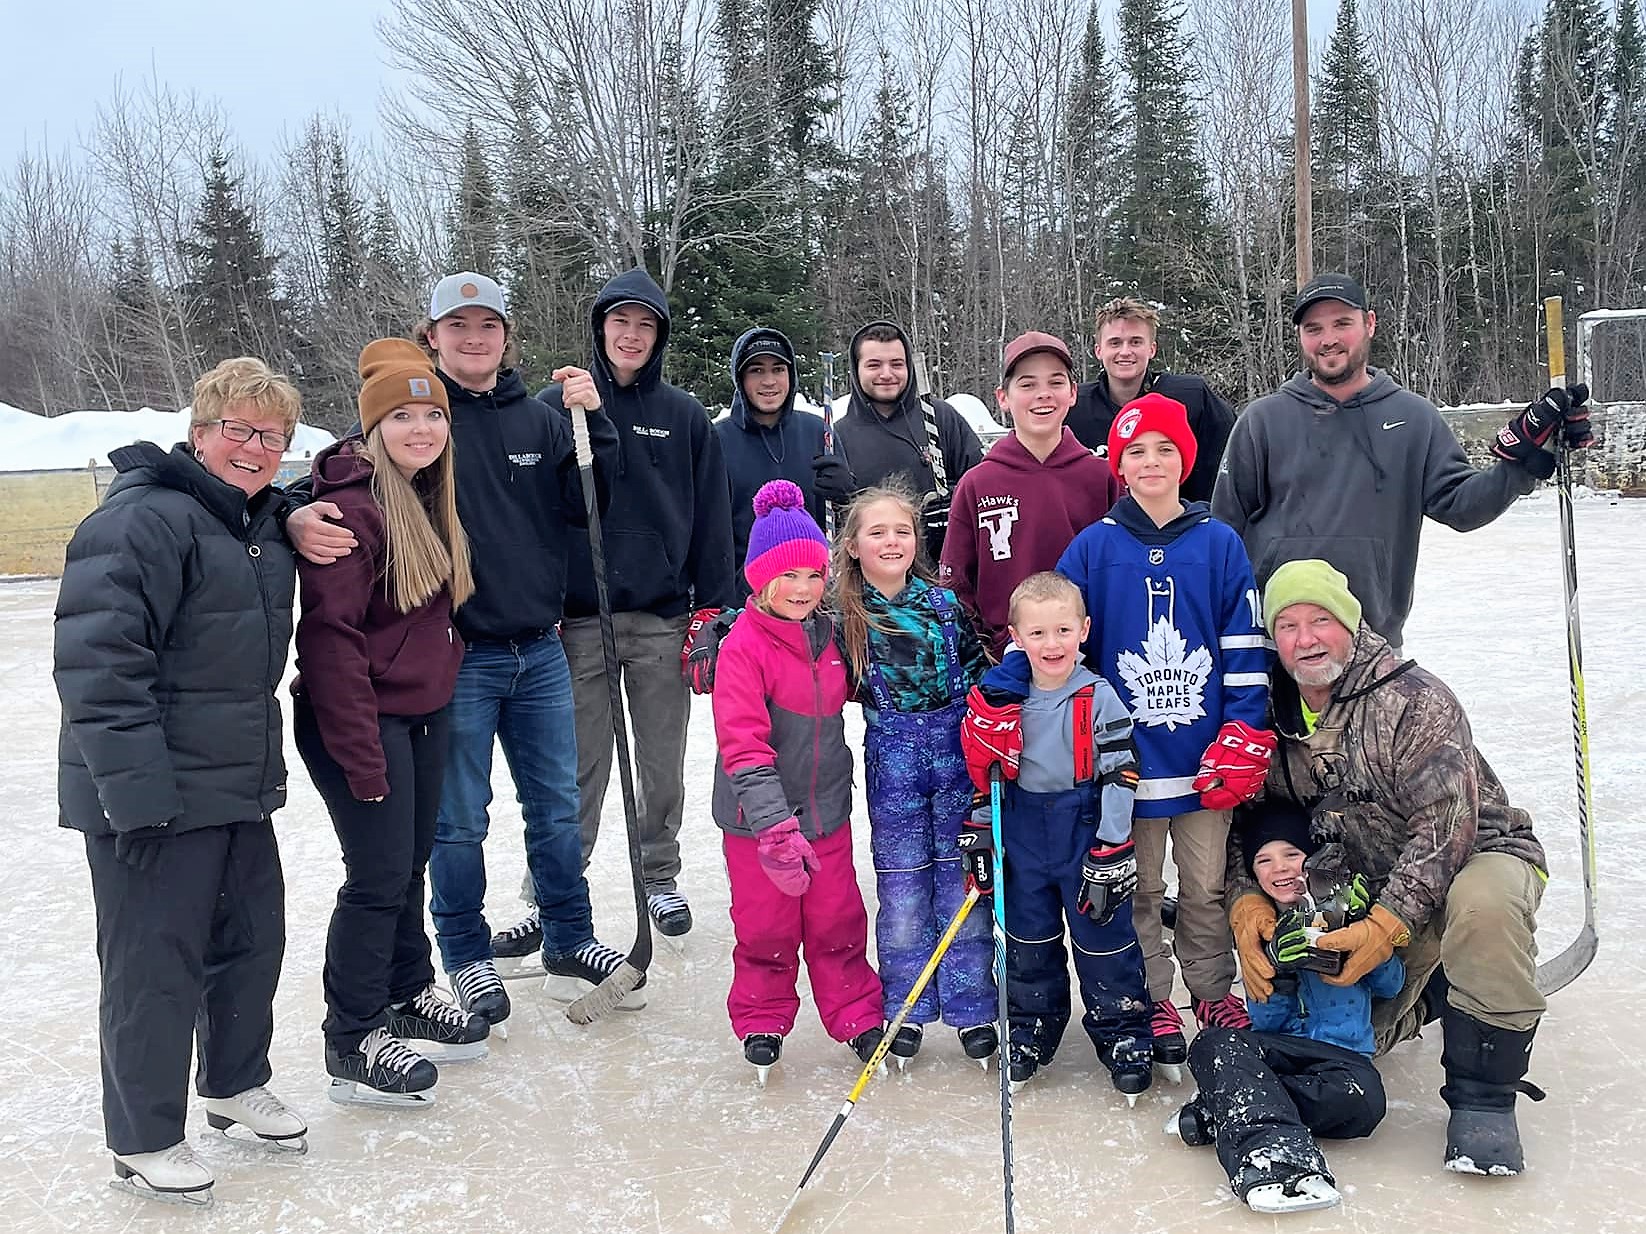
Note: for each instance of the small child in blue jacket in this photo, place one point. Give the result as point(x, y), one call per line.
point(1304, 1068)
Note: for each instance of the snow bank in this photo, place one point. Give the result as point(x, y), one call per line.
point(30, 442)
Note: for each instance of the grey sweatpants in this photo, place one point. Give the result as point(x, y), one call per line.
point(659, 704)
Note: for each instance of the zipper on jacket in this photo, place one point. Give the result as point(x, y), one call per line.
point(255, 552)
point(817, 733)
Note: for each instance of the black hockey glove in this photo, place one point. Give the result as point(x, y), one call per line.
point(1522, 439)
point(976, 844)
point(703, 652)
point(139, 849)
point(934, 517)
point(832, 480)
point(1579, 434)
point(1110, 876)
point(1290, 950)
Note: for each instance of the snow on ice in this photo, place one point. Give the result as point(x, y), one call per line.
point(651, 1121)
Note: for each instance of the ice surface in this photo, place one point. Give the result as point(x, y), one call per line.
point(30, 443)
point(651, 1121)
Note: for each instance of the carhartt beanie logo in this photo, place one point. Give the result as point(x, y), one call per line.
point(1153, 413)
point(784, 536)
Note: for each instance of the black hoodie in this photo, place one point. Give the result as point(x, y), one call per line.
point(1210, 419)
point(668, 534)
point(877, 447)
point(756, 454)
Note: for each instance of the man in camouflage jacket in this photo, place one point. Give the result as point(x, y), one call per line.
point(1380, 752)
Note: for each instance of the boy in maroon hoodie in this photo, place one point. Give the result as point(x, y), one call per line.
point(1016, 511)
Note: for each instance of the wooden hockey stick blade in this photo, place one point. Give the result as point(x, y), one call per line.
point(605, 997)
point(1568, 966)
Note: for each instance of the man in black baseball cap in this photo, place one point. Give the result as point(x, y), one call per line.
point(1329, 287)
point(1343, 463)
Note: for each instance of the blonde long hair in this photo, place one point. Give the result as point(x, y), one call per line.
point(425, 546)
point(846, 573)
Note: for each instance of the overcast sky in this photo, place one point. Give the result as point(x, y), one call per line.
point(269, 63)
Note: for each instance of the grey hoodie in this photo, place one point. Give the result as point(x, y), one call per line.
point(1047, 763)
point(1306, 476)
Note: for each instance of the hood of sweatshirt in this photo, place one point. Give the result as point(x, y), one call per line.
point(740, 408)
point(340, 465)
point(1131, 516)
point(637, 286)
point(1012, 454)
point(861, 405)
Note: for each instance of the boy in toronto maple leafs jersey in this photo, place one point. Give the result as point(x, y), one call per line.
point(1177, 630)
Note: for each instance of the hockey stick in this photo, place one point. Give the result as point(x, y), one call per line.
point(828, 358)
point(1566, 967)
point(999, 906)
point(626, 978)
point(879, 1055)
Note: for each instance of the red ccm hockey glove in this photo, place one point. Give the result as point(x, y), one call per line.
point(695, 674)
point(990, 733)
point(1233, 767)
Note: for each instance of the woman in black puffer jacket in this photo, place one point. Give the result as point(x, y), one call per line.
point(173, 624)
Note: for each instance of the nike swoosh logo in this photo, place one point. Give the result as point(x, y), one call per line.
point(1387, 424)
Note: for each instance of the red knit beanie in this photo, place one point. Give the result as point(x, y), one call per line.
point(1153, 413)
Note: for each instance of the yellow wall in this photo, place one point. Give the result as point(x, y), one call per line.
point(39, 511)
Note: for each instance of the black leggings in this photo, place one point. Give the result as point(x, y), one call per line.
point(377, 950)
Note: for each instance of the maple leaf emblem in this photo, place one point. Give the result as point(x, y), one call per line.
point(1166, 682)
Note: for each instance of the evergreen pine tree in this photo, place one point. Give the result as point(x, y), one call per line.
point(472, 219)
point(343, 229)
point(231, 293)
point(1091, 160)
point(1165, 212)
point(1347, 146)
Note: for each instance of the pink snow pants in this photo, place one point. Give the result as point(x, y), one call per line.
point(829, 921)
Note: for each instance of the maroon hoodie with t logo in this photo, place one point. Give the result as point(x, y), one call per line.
point(358, 655)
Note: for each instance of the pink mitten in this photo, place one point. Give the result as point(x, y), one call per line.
point(787, 857)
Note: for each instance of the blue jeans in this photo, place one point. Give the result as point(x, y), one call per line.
point(519, 693)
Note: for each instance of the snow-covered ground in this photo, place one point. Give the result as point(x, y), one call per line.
point(650, 1121)
point(30, 442)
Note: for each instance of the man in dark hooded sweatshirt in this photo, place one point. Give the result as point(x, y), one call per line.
point(763, 437)
point(669, 566)
point(889, 431)
point(1341, 463)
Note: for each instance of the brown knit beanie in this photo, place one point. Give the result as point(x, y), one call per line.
point(393, 373)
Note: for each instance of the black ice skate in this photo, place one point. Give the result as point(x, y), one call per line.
point(763, 1050)
point(574, 975)
point(173, 1176)
point(1193, 1125)
point(906, 1045)
point(456, 1034)
point(1282, 1187)
point(479, 991)
point(866, 1043)
point(980, 1043)
point(1130, 1061)
point(1022, 1063)
point(671, 916)
point(518, 950)
point(270, 1121)
point(381, 1071)
point(1171, 1048)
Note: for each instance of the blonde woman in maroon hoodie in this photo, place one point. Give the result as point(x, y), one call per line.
point(377, 659)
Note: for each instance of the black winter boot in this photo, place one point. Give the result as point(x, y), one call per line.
point(1485, 1071)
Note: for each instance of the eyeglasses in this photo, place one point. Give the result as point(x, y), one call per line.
point(240, 431)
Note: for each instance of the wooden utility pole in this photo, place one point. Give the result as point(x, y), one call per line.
point(1300, 126)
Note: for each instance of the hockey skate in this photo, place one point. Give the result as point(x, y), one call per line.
point(429, 1019)
point(671, 917)
point(763, 1050)
point(574, 975)
point(866, 1043)
point(479, 991)
point(517, 952)
point(1023, 1064)
point(381, 1071)
point(271, 1121)
point(173, 1176)
point(1171, 1049)
point(1193, 1125)
point(1281, 1187)
point(980, 1043)
point(906, 1045)
point(1227, 1012)
point(1130, 1061)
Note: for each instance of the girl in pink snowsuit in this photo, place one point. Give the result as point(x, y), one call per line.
point(783, 796)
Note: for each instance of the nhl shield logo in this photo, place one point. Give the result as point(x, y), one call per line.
point(1157, 556)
